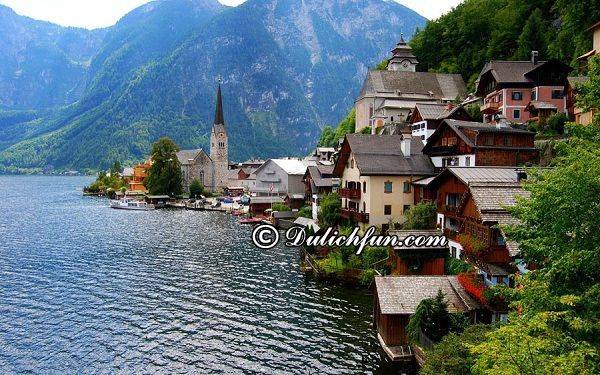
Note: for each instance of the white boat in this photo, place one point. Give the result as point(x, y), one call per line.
point(131, 204)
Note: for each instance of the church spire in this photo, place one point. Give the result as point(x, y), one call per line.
point(219, 119)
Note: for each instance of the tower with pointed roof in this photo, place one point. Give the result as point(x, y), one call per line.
point(403, 59)
point(219, 146)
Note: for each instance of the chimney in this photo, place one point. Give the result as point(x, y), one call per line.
point(405, 145)
point(534, 57)
point(450, 106)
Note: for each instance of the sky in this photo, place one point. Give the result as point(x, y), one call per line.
point(101, 13)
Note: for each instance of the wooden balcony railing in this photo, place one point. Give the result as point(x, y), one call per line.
point(350, 193)
point(360, 217)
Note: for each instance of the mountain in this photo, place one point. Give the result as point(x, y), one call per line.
point(41, 64)
point(287, 67)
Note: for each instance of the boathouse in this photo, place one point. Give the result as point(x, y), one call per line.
point(418, 260)
point(397, 298)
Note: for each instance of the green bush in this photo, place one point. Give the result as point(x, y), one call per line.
point(367, 277)
point(556, 123)
point(355, 261)
point(196, 188)
point(280, 207)
point(305, 211)
point(421, 216)
point(372, 255)
point(329, 211)
point(455, 266)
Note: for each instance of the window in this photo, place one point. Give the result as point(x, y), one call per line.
point(444, 141)
point(452, 200)
point(422, 137)
point(467, 161)
point(558, 94)
point(364, 186)
point(500, 98)
point(352, 163)
point(533, 94)
point(517, 113)
point(405, 208)
point(406, 187)
point(387, 187)
point(517, 95)
point(387, 209)
point(452, 141)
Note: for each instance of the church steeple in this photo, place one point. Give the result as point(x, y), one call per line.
point(402, 57)
point(219, 119)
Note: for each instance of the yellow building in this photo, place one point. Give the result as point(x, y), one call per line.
point(579, 115)
point(376, 172)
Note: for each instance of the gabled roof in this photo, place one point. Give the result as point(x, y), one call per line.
point(289, 166)
point(382, 155)
point(459, 126)
point(436, 111)
point(435, 85)
point(515, 72)
point(188, 156)
point(321, 175)
point(402, 294)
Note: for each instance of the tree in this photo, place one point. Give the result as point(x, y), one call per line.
point(329, 210)
point(421, 216)
point(164, 176)
point(305, 211)
point(589, 97)
point(116, 168)
point(452, 354)
point(196, 188)
point(330, 137)
point(431, 317)
point(533, 37)
point(280, 207)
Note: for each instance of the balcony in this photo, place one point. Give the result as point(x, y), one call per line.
point(443, 150)
point(490, 107)
point(350, 193)
point(360, 217)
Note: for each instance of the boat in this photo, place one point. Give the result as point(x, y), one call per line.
point(131, 204)
point(251, 220)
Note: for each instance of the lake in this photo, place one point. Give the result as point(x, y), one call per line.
point(88, 289)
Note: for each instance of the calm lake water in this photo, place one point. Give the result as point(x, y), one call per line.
point(88, 289)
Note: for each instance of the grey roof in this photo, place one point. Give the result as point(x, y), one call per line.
point(306, 222)
point(185, 156)
point(434, 111)
point(423, 181)
point(470, 175)
point(382, 155)
point(322, 175)
point(219, 118)
point(510, 71)
point(436, 85)
point(260, 200)
point(492, 269)
point(494, 196)
point(127, 172)
point(402, 294)
point(541, 105)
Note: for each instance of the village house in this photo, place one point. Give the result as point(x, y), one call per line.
point(425, 118)
point(472, 210)
point(280, 177)
point(388, 96)
point(136, 181)
point(242, 177)
point(464, 144)
point(376, 172)
point(583, 59)
point(396, 300)
point(522, 91)
point(211, 170)
point(417, 260)
point(318, 181)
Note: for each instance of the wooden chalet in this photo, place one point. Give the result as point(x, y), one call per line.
point(397, 298)
point(417, 260)
point(467, 144)
point(425, 118)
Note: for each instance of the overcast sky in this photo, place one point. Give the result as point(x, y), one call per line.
point(100, 13)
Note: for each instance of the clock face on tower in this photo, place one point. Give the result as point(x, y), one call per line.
point(405, 64)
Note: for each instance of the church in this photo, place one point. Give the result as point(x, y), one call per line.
point(388, 96)
point(210, 169)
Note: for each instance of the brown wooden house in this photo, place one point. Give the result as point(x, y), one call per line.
point(396, 299)
point(425, 118)
point(467, 144)
point(417, 260)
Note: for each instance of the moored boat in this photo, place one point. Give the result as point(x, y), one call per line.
point(131, 204)
point(251, 220)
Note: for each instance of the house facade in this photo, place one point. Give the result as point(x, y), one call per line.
point(522, 91)
point(280, 177)
point(318, 181)
point(376, 172)
point(468, 144)
point(425, 118)
point(388, 96)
